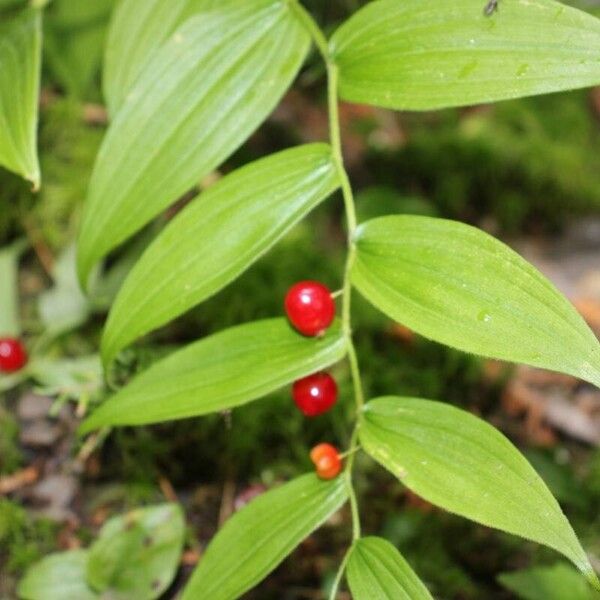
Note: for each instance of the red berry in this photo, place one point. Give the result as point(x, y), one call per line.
point(327, 461)
point(315, 394)
point(12, 355)
point(310, 307)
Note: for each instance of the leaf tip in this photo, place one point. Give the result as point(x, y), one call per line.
point(590, 369)
point(36, 181)
point(591, 577)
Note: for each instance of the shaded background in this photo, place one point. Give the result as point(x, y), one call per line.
point(527, 171)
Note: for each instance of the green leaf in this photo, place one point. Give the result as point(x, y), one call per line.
point(137, 555)
point(137, 31)
point(207, 89)
point(256, 539)
point(377, 571)
point(10, 323)
point(558, 582)
point(60, 575)
point(68, 378)
point(20, 59)
point(217, 237)
point(461, 463)
point(459, 286)
point(225, 370)
point(415, 55)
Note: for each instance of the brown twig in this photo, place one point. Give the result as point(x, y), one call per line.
point(91, 444)
point(167, 489)
point(95, 114)
point(18, 480)
point(227, 501)
point(190, 558)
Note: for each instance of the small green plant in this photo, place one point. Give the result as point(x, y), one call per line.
point(547, 583)
point(186, 82)
point(135, 556)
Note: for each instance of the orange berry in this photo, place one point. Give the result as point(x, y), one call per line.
point(326, 458)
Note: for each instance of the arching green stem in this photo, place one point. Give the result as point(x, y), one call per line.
point(337, 151)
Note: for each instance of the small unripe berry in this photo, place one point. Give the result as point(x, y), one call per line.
point(315, 394)
point(12, 355)
point(310, 307)
point(327, 461)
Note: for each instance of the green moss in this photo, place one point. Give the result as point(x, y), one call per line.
point(10, 454)
point(68, 148)
point(515, 161)
point(23, 540)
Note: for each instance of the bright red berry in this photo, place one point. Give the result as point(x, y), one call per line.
point(12, 355)
point(315, 394)
point(310, 307)
point(327, 461)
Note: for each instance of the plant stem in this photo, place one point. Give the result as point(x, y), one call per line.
point(338, 578)
point(338, 159)
point(351, 491)
point(312, 28)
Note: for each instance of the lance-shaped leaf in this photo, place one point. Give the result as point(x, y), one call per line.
point(222, 371)
point(20, 60)
point(461, 463)
point(137, 30)
point(377, 571)
point(216, 238)
point(61, 575)
point(204, 92)
point(459, 286)
point(137, 554)
point(256, 539)
point(415, 55)
point(556, 582)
